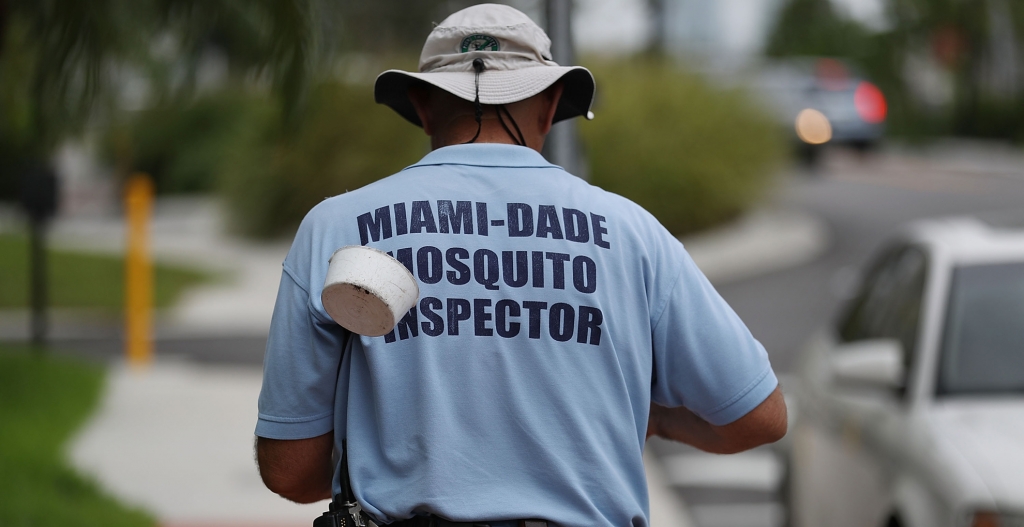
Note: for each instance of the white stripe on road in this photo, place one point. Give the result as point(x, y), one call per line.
point(739, 515)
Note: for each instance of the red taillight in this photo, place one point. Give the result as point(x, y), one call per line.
point(985, 519)
point(870, 103)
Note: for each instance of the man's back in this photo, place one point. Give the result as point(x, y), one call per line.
point(558, 325)
point(520, 384)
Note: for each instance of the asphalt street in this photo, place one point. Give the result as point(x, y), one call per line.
point(862, 200)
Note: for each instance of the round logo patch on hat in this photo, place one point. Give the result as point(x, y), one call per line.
point(479, 42)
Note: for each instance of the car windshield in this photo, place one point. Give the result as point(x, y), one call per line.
point(983, 346)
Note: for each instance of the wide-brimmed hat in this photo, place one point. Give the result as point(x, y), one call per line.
point(517, 64)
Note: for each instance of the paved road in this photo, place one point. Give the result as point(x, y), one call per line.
point(862, 201)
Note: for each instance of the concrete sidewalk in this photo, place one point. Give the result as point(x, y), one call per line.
point(176, 437)
point(177, 440)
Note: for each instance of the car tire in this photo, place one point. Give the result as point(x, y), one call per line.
point(784, 494)
point(809, 156)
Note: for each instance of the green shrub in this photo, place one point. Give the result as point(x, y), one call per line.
point(692, 155)
point(341, 141)
point(180, 143)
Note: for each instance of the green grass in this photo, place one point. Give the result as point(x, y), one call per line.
point(81, 280)
point(43, 400)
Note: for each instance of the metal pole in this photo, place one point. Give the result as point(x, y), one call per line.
point(559, 22)
point(562, 145)
point(657, 45)
point(37, 264)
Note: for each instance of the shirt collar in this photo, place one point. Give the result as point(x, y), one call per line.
point(485, 155)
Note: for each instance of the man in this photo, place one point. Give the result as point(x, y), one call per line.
point(558, 325)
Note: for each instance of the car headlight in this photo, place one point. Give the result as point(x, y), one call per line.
point(812, 127)
point(995, 519)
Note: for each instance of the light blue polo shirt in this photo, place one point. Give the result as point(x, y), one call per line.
point(551, 314)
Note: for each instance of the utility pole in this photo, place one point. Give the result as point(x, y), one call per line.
point(39, 199)
point(657, 45)
point(562, 145)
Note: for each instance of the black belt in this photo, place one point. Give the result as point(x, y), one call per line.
point(434, 521)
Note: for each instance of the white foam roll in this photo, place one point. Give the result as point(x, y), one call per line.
point(367, 291)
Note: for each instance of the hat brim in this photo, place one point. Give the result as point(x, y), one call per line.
point(496, 87)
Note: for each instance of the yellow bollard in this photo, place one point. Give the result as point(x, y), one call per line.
point(138, 205)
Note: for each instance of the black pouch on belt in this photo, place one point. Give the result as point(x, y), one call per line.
point(344, 511)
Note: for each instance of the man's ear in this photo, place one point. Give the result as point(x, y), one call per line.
point(551, 97)
point(419, 96)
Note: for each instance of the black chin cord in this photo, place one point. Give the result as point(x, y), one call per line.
point(478, 67)
point(520, 140)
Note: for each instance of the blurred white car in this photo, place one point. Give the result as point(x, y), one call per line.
point(910, 411)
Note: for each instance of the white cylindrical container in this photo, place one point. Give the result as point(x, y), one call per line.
point(367, 291)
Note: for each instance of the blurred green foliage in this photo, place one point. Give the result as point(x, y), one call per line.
point(691, 154)
point(273, 175)
point(275, 140)
point(18, 144)
point(812, 27)
point(181, 143)
point(66, 63)
point(51, 62)
point(392, 26)
point(43, 401)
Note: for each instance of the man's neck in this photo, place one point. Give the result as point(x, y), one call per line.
point(491, 131)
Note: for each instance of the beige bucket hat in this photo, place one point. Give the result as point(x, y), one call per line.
point(517, 64)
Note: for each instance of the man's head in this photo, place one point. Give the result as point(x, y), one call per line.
point(449, 120)
point(489, 61)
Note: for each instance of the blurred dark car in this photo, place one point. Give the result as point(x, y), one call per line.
point(824, 101)
point(910, 409)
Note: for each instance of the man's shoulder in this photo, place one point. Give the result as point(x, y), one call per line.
point(623, 208)
point(539, 185)
point(366, 193)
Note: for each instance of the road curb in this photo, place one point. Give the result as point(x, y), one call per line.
point(763, 241)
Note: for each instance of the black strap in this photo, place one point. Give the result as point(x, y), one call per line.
point(478, 114)
point(521, 141)
point(478, 67)
point(346, 496)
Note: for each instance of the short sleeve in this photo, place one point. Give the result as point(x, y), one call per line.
point(300, 368)
point(704, 356)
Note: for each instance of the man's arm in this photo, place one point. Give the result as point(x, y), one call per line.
point(297, 469)
point(764, 424)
